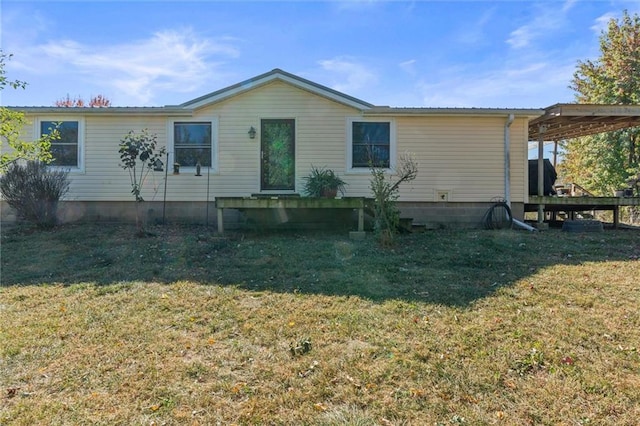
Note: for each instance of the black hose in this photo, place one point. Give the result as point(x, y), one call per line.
point(498, 216)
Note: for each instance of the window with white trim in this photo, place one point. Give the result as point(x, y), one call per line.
point(193, 143)
point(371, 143)
point(65, 150)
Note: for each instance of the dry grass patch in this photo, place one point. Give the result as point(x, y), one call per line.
point(555, 345)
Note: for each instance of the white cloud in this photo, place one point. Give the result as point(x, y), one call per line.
point(533, 85)
point(568, 5)
point(408, 66)
point(545, 19)
point(521, 37)
point(602, 22)
point(355, 5)
point(171, 60)
point(348, 76)
point(473, 33)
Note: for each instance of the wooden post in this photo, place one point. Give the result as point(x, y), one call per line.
point(220, 224)
point(541, 172)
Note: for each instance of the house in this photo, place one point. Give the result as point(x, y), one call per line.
point(263, 135)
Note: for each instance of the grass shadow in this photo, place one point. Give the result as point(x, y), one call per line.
point(449, 267)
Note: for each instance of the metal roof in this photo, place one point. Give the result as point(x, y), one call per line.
point(421, 111)
point(276, 75)
point(146, 111)
point(566, 121)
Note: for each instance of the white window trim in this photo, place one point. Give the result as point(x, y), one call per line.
point(349, 144)
point(81, 139)
point(214, 140)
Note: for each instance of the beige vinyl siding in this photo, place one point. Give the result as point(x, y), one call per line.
point(459, 154)
point(320, 140)
point(320, 135)
point(103, 179)
point(519, 160)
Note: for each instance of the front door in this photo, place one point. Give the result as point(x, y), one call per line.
point(278, 154)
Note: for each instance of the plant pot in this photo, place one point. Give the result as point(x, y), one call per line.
point(329, 192)
point(619, 192)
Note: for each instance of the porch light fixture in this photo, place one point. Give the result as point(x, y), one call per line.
point(252, 133)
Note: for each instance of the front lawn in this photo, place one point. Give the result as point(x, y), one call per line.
point(446, 327)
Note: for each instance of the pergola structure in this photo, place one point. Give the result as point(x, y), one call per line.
point(567, 121)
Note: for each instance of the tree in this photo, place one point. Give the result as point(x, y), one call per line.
point(99, 101)
point(606, 162)
point(11, 125)
point(139, 156)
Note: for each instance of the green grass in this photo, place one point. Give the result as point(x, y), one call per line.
point(446, 327)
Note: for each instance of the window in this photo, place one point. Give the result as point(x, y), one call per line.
point(371, 143)
point(192, 143)
point(66, 149)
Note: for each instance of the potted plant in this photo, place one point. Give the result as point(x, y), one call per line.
point(323, 183)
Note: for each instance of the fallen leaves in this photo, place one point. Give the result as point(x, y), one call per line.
point(12, 392)
point(567, 360)
point(301, 347)
point(238, 387)
point(320, 406)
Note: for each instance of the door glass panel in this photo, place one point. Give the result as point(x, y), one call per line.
point(278, 159)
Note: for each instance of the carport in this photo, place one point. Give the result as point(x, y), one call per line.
point(567, 121)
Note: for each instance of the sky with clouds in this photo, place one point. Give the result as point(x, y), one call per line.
point(504, 54)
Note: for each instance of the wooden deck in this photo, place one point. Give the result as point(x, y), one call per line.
point(277, 202)
point(576, 204)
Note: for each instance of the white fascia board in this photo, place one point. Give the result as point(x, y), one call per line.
point(108, 111)
point(277, 76)
point(484, 112)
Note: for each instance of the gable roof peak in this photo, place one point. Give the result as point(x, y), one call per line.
point(277, 74)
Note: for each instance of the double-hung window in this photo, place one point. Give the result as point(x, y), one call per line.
point(193, 143)
point(371, 144)
point(66, 149)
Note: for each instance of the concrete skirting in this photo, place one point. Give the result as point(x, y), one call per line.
point(431, 215)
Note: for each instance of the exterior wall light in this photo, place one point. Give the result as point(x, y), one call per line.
point(252, 133)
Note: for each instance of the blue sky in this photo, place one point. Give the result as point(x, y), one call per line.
point(506, 54)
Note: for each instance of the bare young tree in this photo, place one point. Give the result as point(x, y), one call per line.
point(385, 190)
point(139, 155)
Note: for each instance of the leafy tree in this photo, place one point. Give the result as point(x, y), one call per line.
point(11, 125)
point(99, 101)
point(605, 162)
point(4, 80)
point(139, 155)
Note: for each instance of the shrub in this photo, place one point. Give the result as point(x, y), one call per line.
point(323, 183)
point(385, 194)
point(33, 189)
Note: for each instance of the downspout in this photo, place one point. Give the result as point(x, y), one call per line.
point(507, 160)
point(541, 131)
point(507, 172)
